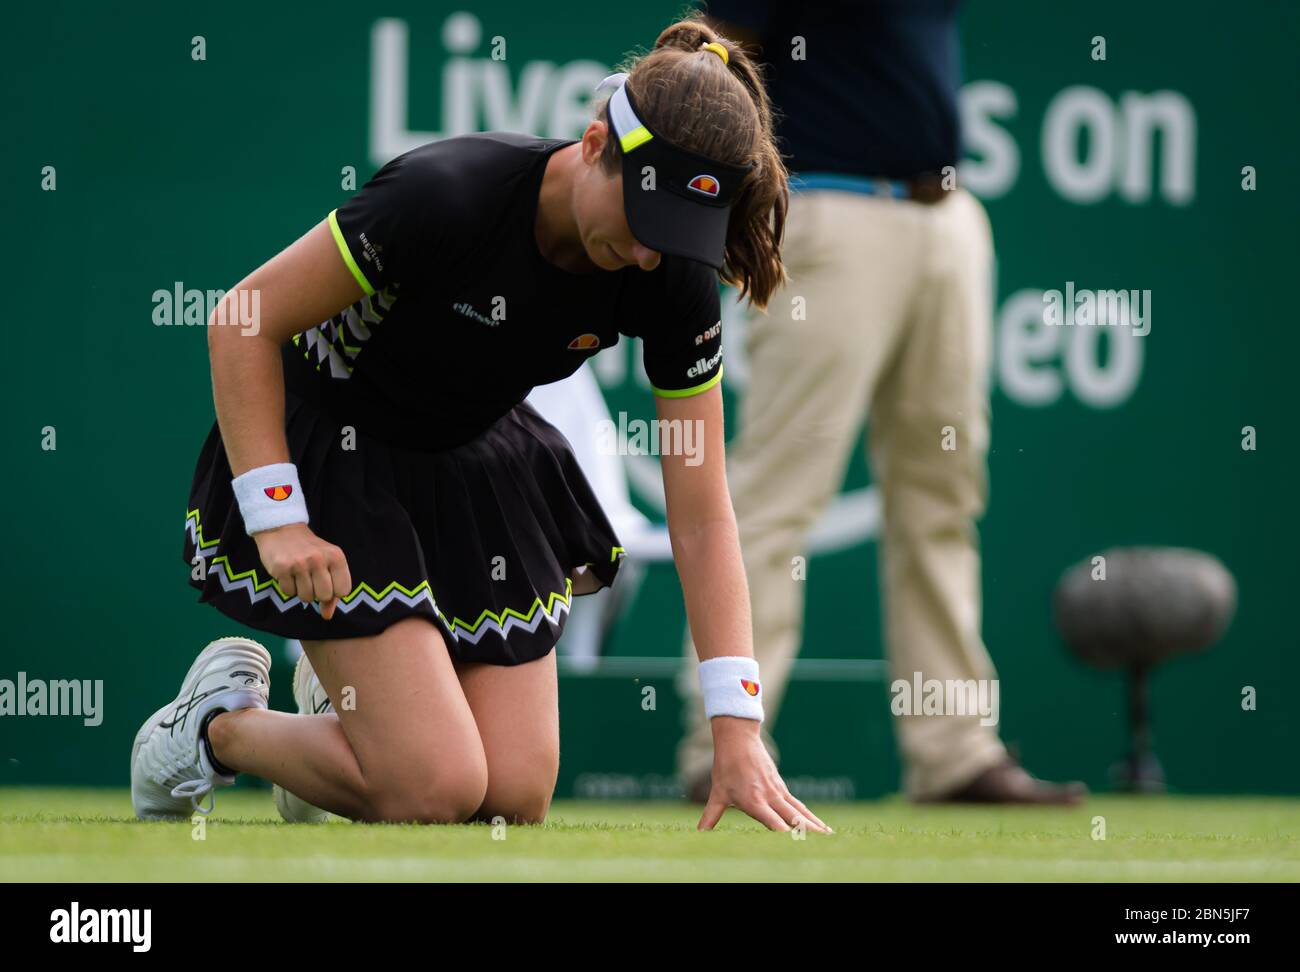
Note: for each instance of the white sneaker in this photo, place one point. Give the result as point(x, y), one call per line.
point(171, 771)
point(312, 700)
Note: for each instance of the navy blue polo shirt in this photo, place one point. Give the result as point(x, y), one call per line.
point(876, 95)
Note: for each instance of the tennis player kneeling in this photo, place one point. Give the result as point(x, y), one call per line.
point(376, 486)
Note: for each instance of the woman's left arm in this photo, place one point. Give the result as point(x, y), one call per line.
point(706, 549)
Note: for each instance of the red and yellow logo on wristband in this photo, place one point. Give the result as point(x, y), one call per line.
point(278, 493)
point(751, 688)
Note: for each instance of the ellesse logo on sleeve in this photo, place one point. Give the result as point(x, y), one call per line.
point(703, 366)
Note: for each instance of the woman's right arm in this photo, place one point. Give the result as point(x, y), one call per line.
point(303, 285)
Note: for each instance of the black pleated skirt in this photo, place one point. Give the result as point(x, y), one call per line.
point(489, 540)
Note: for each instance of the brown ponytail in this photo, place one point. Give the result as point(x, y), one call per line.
point(719, 110)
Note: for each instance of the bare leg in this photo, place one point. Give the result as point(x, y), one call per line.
point(518, 715)
point(403, 746)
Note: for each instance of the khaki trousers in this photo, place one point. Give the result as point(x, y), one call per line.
point(897, 325)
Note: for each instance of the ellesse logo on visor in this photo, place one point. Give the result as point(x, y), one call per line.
point(584, 342)
point(705, 185)
point(278, 492)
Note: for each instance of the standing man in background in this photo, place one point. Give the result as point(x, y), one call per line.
point(887, 313)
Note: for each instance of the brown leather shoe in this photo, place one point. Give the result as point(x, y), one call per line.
point(1008, 782)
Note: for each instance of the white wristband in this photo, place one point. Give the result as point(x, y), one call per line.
point(731, 687)
point(270, 497)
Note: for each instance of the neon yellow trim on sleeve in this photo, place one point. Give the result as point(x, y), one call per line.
point(688, 392)
point(347, 254)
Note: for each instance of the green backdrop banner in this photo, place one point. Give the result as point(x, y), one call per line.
point(175, 147)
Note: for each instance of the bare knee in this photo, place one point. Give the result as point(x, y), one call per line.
point(523, 800)
point(444, 795)
point(522, 810)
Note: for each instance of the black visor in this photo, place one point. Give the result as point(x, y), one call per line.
point(676, 201)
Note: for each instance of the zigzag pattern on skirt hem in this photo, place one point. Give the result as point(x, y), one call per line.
point(556, 607)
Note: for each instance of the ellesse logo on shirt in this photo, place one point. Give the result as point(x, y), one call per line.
point(470, 311)
point(703, 365)
point(584, 342)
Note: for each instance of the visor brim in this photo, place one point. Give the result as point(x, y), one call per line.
point(669, 223)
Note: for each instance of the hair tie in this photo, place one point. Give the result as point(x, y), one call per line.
point(717, 49)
